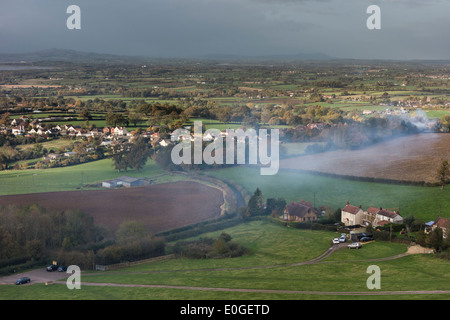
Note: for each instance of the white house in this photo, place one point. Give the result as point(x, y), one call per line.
point(18, 130)
point(352, 215)
point(120, 131)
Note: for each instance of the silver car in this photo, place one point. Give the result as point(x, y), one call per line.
point(354, 245)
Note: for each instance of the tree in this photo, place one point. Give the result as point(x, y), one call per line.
point(85, 114)
point(275, 206)
point(443, 173)
point(436, 239)
point(138, 155)
point(135, 118)
point(256, 204)
point(5, 120)
point(409, 221)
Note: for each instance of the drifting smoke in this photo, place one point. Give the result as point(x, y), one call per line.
point(421, 121)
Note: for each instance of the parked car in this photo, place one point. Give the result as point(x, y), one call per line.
point(336, 241)
point(62, 268)
point(23, 280)
point(354, 245)
point(366, 239)
point(52, 268)
point(342, 239)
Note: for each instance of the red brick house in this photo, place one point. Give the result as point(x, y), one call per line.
point(299, 212)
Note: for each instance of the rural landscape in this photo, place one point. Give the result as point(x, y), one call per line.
point(87, 179)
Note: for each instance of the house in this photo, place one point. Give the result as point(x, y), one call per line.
point(379, 216)
point(120, 131)
point(106, 130)
point(386, 216)
point(52, 157)
point(299, 212)
point(442, 223)
point(18, 130)
point(164, 142)
point(352, 215)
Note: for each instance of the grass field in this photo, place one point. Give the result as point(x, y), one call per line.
point(66, 178)
point(424, 203)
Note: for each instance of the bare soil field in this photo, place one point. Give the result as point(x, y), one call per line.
point(160, 207)
point(412, 158)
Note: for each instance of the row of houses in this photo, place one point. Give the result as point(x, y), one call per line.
point(352, 215)
point(23, 128)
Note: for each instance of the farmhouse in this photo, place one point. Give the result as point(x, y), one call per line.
point(299, 212)
point(352, 215)
point(375, 217)
point(442, 223)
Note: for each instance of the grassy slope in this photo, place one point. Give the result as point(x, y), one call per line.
point(269, 245)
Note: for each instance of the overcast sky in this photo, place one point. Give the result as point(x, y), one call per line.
point(410, 29)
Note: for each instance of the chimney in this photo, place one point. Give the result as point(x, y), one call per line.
point(348, 203)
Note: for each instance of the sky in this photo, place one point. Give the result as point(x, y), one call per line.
point(410, 29)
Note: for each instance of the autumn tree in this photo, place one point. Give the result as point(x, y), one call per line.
point(443, 173)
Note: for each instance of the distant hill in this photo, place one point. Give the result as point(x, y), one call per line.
point(276, 57)
point(63, 56)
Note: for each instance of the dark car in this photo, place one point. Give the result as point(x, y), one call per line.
point(52, 268)
point(23, 280)
point(62, 268)
point(366, 239)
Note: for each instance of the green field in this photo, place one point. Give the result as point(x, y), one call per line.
point(424, 203)
point(66, 178)
point(274, 251)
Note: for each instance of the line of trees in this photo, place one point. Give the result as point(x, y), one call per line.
point(32, 235)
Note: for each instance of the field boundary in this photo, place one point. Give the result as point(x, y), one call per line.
point(116, 266)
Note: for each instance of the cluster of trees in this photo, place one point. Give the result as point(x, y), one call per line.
point(257, 206)
point(131, 155)
point(133, 242)
point(33, 233)
point(205, 248)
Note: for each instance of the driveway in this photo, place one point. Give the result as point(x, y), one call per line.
point(36, 276)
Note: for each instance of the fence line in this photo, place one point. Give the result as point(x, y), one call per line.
point(132, 263)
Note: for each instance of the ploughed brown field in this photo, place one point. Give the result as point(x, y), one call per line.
point(411, 158)
point(160, 207)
